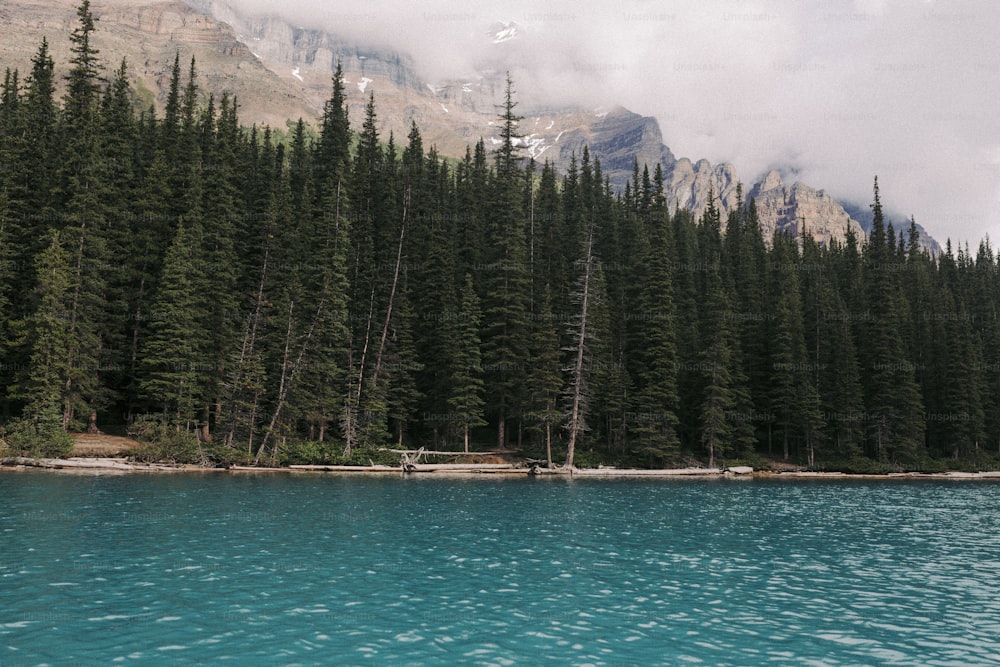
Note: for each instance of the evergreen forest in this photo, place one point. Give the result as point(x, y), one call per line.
point(238, 294)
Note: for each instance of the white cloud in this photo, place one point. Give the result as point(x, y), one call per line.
point(837, 90)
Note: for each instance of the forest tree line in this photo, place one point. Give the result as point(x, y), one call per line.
point(187, 278)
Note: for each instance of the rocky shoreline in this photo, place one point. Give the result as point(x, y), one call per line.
point(125, 466)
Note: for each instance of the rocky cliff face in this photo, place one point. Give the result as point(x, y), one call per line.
point(799, 208)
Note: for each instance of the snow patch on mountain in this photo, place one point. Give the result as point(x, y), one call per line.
point(534, 144)
point(363, 83)
point(503, 32)
point(295, 73)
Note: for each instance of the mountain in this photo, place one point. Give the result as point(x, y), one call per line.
point(799, 206)
point(453, 114)
point(280, 72)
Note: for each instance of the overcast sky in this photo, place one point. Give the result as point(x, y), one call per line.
point(836, 90)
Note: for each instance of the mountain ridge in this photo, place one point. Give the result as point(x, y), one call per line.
point(452, 114)
point(280, 71)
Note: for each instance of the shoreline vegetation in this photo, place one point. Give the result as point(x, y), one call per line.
point(103, 454)
point(124, 466)
point(232, 296)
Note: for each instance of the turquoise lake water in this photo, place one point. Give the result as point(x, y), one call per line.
point(281, 569)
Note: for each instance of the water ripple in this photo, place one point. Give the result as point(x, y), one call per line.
point(265, 570)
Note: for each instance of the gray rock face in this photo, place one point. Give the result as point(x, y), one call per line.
point(689, 185)
point(280, 44)
point(799, 208)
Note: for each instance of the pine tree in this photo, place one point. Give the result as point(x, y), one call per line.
point(842, 398)
point(9, 256)
point(545, 381)
point(248, 382)
point(10, 98)
point(682, 251)
point(469, 241)
point(794, 398)
point(964, 415)
point(332, 148)
point(507, 154)
point(170, 357)
point(218, 288)
point(578, 391)
point(171, 125)
point(299, 167)
point(45, 336)
point(466, 397)
point(606, 377)
point(31, 146)
point(402, 369)
point(550, 267)
point(985, 317)
point(83, 82)
point(144, 252)
point(325, 377)
point(892, 397)
point(117, 144)
point(85, 195)
point(717, 365)
point(507, 283)
point(814, 290)
point(656, 399)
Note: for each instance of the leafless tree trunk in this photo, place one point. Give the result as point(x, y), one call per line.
point(288, 374)
point(392, 291)
point(548, 443)
point(248, 349)
point(575, 415)
point(68, 387)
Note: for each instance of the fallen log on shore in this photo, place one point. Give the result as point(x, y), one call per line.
point(430, 452)
point(98, 464)
point(635, 472)
point(333, 468)
point(472, 467)
point(409, 467)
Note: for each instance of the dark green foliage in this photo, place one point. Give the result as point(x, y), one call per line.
point(161, 441)
point(83, 85)
point(401, 371)
point(893, 400)
point(506, 282)
point(232, 298)
point(545, 377)
point(170, 352)
point(465, 400)
point(44, 340)
point(27, 437)
point(718, 364)
point(656, 401)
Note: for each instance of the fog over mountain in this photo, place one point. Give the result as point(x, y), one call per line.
point(826, 92)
